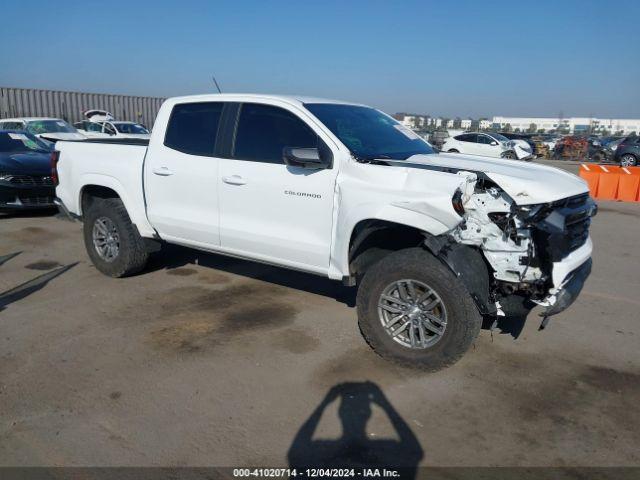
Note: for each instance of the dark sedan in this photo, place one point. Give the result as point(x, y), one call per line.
point(628, 152)
point(25, 172)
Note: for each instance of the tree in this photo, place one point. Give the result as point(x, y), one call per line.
point(532, 128)
point(541, 130)
point(507, 128)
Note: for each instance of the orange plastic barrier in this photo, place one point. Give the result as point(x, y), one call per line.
point(591, 174)
point(629, 186)
point(608, 183)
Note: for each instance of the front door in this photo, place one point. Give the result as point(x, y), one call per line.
point(486, 148)
point(269, 210)
point(181, 176)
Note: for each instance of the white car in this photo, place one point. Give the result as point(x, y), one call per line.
point(522, 148)
point(112, 129)
point(434, 241)
point(51, 129)
point(485, 144)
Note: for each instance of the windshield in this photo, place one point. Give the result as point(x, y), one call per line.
point(130, 128)
point(21, 142)
point(49, 126)
point(368, 133)
point(500, 138)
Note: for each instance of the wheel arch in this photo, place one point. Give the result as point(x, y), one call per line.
point(102, 186)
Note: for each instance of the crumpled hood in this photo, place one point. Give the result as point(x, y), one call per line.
point(32, 163)
point(525, 183)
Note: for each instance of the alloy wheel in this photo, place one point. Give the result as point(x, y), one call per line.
point(106, 239)
point(412, 314)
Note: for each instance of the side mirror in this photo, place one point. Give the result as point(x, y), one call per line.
point(303, 157)
point(494, 143)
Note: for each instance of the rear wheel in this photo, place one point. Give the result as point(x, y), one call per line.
point(628, 160)
point(414, 311)
point(112, 241)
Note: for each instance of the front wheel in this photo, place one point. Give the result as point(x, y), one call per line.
point(414, 311)
point(628, 160)
point(112, 241)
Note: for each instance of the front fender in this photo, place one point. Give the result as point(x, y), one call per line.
point(410, 214)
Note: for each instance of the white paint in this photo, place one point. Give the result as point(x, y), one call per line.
point(242, 208)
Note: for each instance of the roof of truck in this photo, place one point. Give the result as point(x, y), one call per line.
point(296, 99)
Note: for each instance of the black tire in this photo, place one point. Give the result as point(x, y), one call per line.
point(132, 254)
point(510, 155)
point(463, 319)
point(452, 150)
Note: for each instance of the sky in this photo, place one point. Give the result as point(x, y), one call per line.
point(462, 58)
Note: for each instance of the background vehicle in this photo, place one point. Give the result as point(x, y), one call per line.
point(50, 129)
point(628, 152)
point(434, 241)
point(25, 172)
point(485, 144)
point(112, 129)
point(611, 143)
point(438, 138)
point(521, 138)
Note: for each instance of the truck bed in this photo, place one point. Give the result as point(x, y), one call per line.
point(112, 164)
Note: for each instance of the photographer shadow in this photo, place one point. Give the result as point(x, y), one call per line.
point(355, 449)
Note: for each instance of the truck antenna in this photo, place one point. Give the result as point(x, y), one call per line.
point(216, 83)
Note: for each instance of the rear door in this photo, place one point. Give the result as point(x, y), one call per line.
point(269, 210)
point(181, 176)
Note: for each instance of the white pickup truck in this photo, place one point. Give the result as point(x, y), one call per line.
point(434, 241)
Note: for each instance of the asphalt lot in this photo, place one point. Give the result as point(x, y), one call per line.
point(203, 360)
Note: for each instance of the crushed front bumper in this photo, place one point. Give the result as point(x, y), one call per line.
point(570, 290)
point(569, 276)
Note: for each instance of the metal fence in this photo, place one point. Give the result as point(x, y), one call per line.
point(30, 102)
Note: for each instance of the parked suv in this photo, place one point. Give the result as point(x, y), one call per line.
point(628, 152)
point(485, 144)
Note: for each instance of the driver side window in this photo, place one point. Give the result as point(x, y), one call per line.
point(264, 131)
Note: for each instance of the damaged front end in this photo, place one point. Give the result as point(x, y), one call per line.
point(539, 253)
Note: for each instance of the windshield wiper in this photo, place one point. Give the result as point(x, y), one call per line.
point(370, 158)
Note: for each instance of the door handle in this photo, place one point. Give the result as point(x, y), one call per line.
point(234, 180)
point(162, 171)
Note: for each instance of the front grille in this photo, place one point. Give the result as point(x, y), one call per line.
point(33, 201)
point(31, 180)
point(571, 202)
point(564, 226)
point(577, 231)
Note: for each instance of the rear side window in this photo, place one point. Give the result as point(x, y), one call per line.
point(467, 137)
point(193, 127)
point(264, 131)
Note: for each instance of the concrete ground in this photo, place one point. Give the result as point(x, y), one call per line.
point(203, 361)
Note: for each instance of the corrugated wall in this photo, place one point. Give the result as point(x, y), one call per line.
point(31, 102)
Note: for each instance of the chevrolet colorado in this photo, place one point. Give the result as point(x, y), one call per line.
point(434, 241)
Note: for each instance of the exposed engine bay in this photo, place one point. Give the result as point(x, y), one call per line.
point(521, 244)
